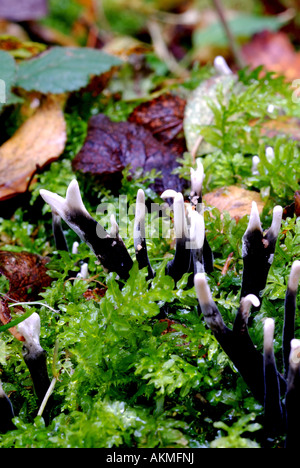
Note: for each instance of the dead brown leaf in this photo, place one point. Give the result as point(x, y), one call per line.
point(294, 208)
point(39, 141)
point(163, 116)
point(111, 146)
point(5, 317)
point(27, 274)
point(283, 125)
point(275, 52)
point(236, 200)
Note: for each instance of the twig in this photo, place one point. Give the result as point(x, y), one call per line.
point(162, 50)
point(53, 382)
point(47, 396)
point(232, 42)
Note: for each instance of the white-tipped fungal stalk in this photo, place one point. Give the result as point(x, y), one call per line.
point(221, 66)
point(110, 251)
point(197, 230)
point(246, 304)
point(269, 327)
point(169, 193)
point(30, 329)
point(276, 221)
point(294, 277)
point(290, 313)
point(84, 271)
point(273, 411)
point(210, 312)
point(197, 177)
point(243, 313)
point(180, 224)
point(270, 153)
point(139, 234)
point(64, 206)
point(295, 354)
point(196, 241)
point(114, 227)
point(75, 247)
point(255, 163)
point(254, 223)
point(34, 355)
point(202, 289)
point(258, 250)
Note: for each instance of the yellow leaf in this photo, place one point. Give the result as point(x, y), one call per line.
point(236, 200)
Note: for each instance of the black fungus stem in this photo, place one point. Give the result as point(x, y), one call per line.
point(292, 401)
point(58, 233)
point(6, 413)
point(273, 411)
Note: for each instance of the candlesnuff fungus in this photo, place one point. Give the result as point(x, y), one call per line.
point(236, 343)
point(34, 355)
point(277, 393)
point(6, 412)
point(292, 396)
point(139, 234)
point(58, 233)
point(221, 66)
point(258, 251)
point(111, 251)
point(273, 411)
point(290, 311)
point(181, 262)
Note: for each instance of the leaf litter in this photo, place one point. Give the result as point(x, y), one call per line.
point(112, 146)
point(39, 141)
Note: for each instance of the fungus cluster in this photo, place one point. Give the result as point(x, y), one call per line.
point(277, 392)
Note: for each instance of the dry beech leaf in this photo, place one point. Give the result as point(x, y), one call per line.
point(236, 200)
point(39, 141)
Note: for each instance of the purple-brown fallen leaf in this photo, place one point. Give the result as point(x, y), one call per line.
point(27, 275)
point(23, 10)
point(112, 146)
